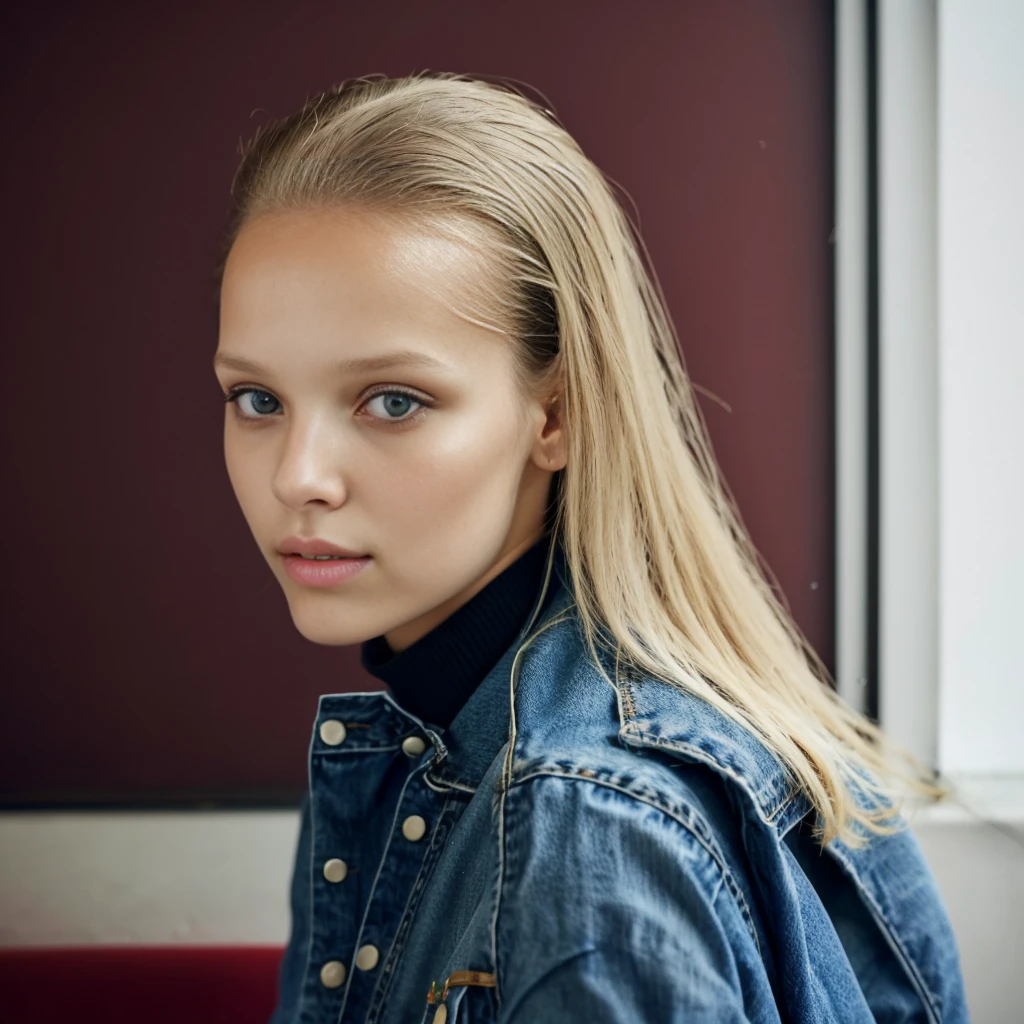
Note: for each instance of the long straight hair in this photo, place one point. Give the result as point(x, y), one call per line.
point(661, 561)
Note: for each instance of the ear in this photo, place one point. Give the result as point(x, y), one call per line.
point(550, 449)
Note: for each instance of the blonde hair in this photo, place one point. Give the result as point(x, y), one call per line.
point(659, 556)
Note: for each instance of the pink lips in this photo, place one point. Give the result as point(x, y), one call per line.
point(320, 572)
point(324, 572)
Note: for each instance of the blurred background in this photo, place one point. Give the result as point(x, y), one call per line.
point(829, 194)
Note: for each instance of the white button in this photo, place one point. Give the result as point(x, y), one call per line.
point(335, 870)
point(413, 745)
point(441, 1015)
point(332, 974)
point(414, 827)
point(367, 957)
point(332, 732)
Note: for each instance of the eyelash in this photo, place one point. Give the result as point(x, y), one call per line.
point(234, 394)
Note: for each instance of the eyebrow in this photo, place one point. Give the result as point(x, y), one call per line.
point(382, 362)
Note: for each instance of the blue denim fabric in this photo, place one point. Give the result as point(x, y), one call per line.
point(606, 855)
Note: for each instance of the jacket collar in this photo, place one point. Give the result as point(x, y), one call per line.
point(659, 716)
point(465, 750)
point(655, 715)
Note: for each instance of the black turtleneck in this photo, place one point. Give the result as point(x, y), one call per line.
point(433, 677)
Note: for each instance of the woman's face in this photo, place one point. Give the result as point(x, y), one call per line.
point(435, 465)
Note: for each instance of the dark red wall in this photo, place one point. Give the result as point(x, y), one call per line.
point(147, 652)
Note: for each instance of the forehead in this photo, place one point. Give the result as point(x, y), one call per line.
point(353, 262)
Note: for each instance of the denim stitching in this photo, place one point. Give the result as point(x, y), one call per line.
point(932, 1003)
point(505, 778)
point(767, 815)
point(373, 889)
point(378, 997)
point(626, 691)
point(692, 823)
point(674, 746)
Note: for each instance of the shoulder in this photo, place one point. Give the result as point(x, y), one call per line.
point(656, 743)
point(607, 896)
point(602, 830)
point(620, 891)
point(603, 850)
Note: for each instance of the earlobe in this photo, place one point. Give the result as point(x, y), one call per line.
point(554, 460)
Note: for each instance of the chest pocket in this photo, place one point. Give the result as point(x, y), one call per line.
point(463, 1004)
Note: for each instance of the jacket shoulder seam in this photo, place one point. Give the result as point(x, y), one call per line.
point(693, 823)
point(771, 811)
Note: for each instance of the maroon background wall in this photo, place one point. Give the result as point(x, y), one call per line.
point(147, 653)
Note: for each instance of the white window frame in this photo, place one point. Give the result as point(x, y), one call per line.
point(903, 395)
point(903, 629)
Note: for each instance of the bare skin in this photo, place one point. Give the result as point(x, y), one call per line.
point(444, 488)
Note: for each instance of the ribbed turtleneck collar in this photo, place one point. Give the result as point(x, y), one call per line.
point(434, 677)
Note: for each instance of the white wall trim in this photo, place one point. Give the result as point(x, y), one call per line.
point(996, 800)
point(158, 877)
point(908, 375)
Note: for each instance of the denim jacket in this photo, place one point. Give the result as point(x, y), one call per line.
point(568, 851)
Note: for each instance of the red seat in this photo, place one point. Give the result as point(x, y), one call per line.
point(139, 984)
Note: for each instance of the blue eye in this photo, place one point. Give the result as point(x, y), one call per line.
point(258, 401)
point(395, 402)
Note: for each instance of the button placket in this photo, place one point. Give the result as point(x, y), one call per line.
point(352, 958)
point(400, 880)
point(364, 732)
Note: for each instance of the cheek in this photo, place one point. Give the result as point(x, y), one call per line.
point(464, 482)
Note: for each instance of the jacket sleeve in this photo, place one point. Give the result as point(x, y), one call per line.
point(611, 911)
point(293, 962)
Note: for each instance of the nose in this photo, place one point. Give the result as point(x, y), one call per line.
point(309, 469)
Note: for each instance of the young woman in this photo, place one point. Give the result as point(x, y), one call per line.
point(608, 780)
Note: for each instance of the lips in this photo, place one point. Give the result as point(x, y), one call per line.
point(316, 546)
point(323, 572)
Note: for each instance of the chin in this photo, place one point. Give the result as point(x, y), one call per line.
point(330, 627)
point(328, 634)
